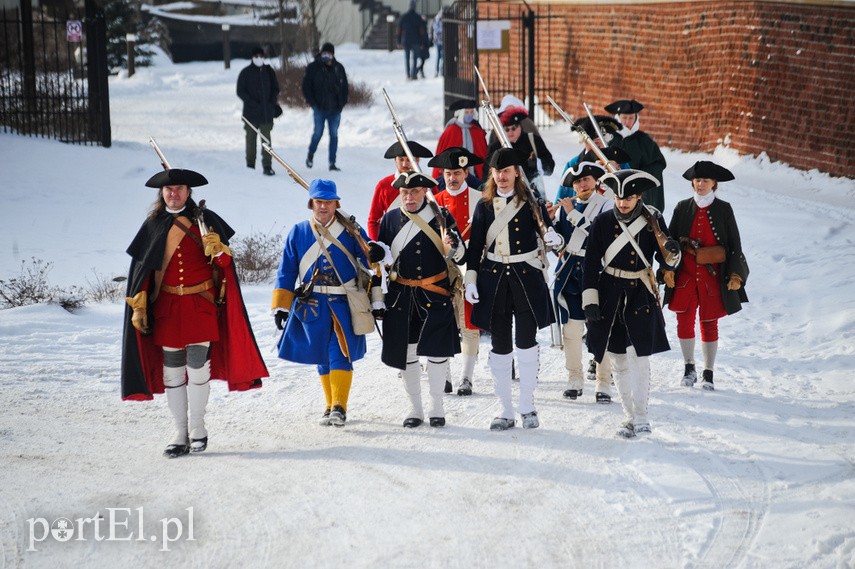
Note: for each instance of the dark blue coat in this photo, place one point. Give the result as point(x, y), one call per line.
point(630, 314)
point(258, 88)
point(325, 86)
point(523, 233)
point(438, 335)
point(412, 32)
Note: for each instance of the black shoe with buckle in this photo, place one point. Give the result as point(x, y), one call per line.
point(437, 421)
point(603, 398)
point(198, 445)
point(174, 451)
point(572, 393)
point(412, 422)
point(309, 160)
point(337, 416)
point(268, 171)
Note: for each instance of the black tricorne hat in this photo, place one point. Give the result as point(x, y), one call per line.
point(580, 170)
point(413, 180)
point(710, 170)
point(176, 177)
point(611, 152)
point(607, 124)
point(463, 104)
point(455, 158)
point(396, 150)
point(625, 183)
point(624, 107)
point(504, 157)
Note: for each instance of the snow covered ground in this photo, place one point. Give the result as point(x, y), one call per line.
point(759, 473)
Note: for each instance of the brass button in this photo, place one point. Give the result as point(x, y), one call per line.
point(180, 270)
point(428, 305)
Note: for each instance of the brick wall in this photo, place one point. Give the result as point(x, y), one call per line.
point(773, 77)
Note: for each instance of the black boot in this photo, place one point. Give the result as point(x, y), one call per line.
point(690, 376)
point(338, 416)
point(707, 383)
point(310, 160)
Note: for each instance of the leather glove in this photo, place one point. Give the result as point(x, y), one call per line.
point(592, 313)
point(735, 282)
point(672, 246)
point(471, 293)
point(375, 252)
point(213, 245)
point(280, 318)
point(552, 239)
point(378, 309)
point(139, 304)
point(668, 277)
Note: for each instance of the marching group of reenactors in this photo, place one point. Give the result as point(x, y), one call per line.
point(444, 260)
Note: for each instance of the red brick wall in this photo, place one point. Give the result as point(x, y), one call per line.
point(773, 77)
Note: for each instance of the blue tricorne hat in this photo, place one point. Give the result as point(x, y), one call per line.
point(323, 190)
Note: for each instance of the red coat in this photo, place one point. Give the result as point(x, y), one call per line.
point(462, 208)
point(694, 281)
point(453, 136)
point(235, 356)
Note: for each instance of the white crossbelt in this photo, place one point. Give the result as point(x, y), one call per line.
point(509, 259)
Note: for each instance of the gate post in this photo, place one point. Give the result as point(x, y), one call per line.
point(528, 23)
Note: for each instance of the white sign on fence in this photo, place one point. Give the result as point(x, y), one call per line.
point(74, 31)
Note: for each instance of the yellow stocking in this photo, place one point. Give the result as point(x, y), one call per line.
point(340, 381)
point(325, 382)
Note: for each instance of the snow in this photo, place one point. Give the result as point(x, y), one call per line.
point(758, 473)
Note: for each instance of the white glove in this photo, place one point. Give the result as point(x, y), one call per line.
point(378, 305)
point(552, 239)
point(471, 293)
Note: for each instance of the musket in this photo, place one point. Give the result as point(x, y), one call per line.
point(402, 140)
point(348, 221)
point(594, 123)
point(581, 132)
point(197, 213)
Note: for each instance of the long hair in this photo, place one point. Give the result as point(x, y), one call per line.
point(490, 188)
point(159, 205)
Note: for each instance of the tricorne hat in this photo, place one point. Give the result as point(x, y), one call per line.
point(625, 183)
point(710, 170)
point(396, 150)
point(455, 158)
point(580, 170)
point(413, 180)
point(624, 107)
point(463, 104)
point(176, 177)
point(323, 190)
point(504, 157)
point(611, 152)
point(607, 124)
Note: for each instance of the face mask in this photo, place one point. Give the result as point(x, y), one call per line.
point(467, 118)
point(326, 58)
point(259, 61)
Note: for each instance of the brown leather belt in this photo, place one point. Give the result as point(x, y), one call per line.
point(200, 289)
point(426, 283)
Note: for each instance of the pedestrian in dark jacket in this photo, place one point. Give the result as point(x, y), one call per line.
point(411, 35)
point(325, 90)
point(258, 88)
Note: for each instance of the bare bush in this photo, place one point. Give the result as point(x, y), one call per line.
point(291, 89)
point(104, 289)
point(256, 256)
point(32, 287)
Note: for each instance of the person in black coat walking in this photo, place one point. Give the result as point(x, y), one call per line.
point(326, 91)
point(411, 35)
point(258, 88)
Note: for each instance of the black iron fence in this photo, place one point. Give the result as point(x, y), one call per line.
point(510, 70)
point(53, 74)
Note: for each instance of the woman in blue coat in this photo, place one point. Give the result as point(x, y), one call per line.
point(320, 257)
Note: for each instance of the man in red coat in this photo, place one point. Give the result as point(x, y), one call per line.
point(385, 196)
point(460, 200)
point(464, 130)
point(185, 321)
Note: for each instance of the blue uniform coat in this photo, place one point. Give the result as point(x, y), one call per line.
point(309, 328)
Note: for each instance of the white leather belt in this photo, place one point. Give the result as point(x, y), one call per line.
point(621, 274)
point(509, 259)
point(579, 253)
point(329, 289)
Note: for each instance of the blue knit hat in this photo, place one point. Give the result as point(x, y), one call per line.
point(323, 190)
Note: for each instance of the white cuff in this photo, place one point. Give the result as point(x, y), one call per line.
point(590, 296)
point(471, 277)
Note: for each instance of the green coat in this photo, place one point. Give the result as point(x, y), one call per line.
point(645, 155)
